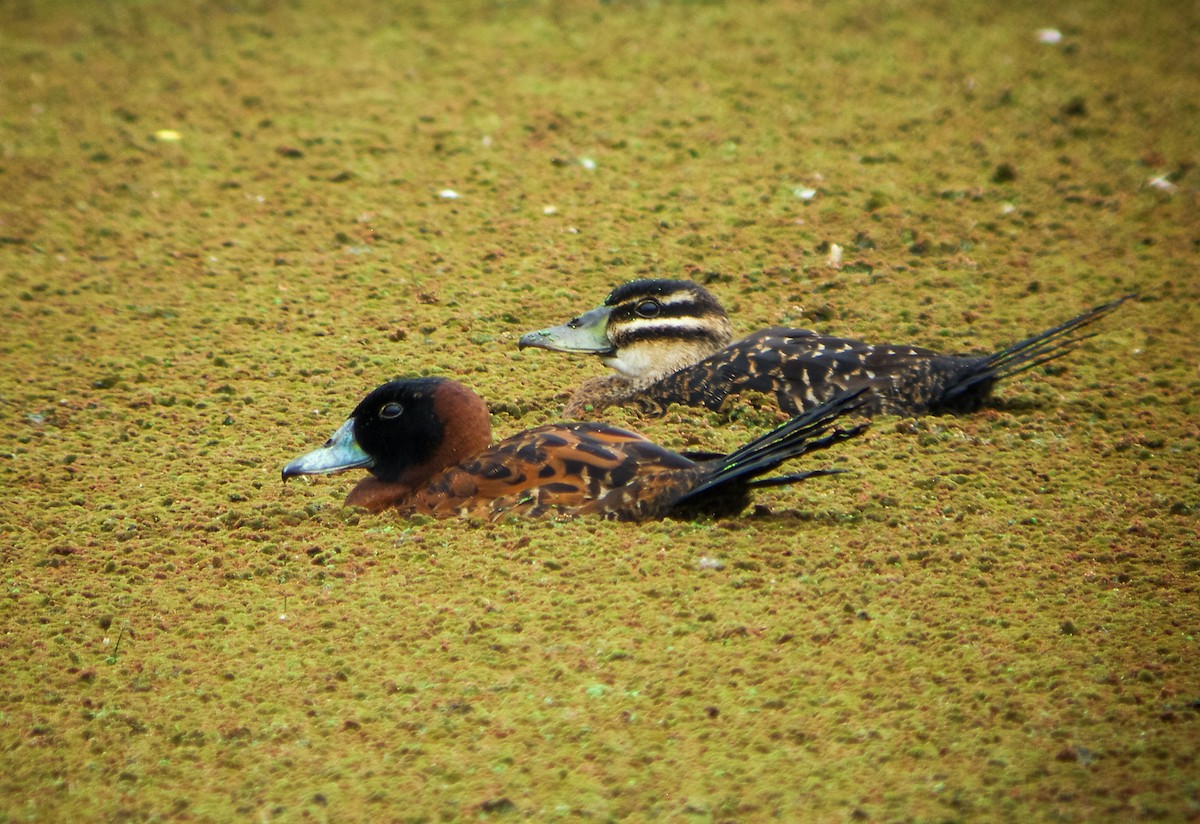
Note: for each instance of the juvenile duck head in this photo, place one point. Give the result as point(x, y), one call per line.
point(646, 329)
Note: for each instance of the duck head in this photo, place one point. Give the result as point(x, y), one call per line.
point(646, 329)
point(403, 433)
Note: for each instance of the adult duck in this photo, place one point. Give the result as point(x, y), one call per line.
point(426, 443)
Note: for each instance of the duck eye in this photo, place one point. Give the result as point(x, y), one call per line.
point(391, 410)
point(648, 309)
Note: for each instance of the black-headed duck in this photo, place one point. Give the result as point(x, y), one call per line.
point(670, 342)
point(427, 444)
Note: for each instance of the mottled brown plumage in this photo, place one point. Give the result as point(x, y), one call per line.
point(670, 343)
point(427, 445)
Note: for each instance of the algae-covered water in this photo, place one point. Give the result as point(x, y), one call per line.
point(222, 223)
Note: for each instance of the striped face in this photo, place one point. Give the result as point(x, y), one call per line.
point(657, 327)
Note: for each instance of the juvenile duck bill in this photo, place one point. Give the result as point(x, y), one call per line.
point(340, 452)
point(586, 334)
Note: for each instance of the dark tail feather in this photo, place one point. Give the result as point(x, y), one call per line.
point(1032, 352)
point(795, 477)
point(803, 434)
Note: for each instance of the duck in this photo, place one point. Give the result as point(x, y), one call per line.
point(671, 342)
point(426, 443)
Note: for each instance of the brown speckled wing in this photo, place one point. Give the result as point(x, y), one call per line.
point(802, 370)
point(554, 468)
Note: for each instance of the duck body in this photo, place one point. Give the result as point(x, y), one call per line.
point(427, 444)
point(669, 342)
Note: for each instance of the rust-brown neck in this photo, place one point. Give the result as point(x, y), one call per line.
point(468, 427)
point(466, 430)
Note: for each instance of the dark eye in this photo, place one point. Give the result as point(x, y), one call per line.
point(648, 309)
point(391, 410)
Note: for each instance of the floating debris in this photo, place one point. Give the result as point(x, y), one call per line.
point(1162, 183)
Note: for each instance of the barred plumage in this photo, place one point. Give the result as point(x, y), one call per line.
point(427, 444)
point(639, 332)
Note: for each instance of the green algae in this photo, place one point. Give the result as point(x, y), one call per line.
point(991, 617)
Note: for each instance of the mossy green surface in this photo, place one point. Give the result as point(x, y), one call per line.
point(992, 617)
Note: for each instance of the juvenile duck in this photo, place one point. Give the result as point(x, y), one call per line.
point(427, 444)
point(669, 341)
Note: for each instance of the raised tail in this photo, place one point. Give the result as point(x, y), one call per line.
point(805, 433)
point(1032, 352)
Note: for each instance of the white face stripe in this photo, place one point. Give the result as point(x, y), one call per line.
point(686, 296)
point(678, 295)
point(691, 327)
point(665, 325)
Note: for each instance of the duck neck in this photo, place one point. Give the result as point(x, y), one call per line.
point(467, 428)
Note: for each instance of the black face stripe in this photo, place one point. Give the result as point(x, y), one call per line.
point(648, 288)
point(686, 309)
point(651, 332)
point(678, 292)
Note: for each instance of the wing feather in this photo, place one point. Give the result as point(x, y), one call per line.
point(556, 467)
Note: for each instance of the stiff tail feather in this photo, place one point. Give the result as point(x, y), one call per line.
point(805, 433)
point(1034, 351)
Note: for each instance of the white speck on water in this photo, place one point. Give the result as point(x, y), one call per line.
point(1162, 184)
